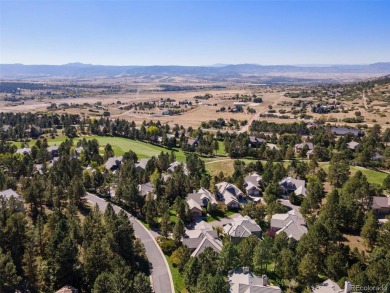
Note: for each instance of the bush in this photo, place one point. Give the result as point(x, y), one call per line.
point(168, 246)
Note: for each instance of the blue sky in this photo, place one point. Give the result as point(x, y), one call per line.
point(194, 32)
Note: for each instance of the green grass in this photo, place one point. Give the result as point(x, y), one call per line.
point(372, 175)
point(120, 146)
point(178, 281)
point(217, 215)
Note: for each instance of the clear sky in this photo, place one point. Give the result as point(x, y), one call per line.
point(194, 32)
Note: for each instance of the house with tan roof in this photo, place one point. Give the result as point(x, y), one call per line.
point(381, 205)
point(290, 184)
point(330, 286)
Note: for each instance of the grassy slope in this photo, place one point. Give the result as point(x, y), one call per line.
point(178, 280)
point(372, 175)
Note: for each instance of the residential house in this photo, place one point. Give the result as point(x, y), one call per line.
point(291, 223)
point(202, 237)
point(141, 165)
point(377, 157)
point(252, 184)
point(53, 151)
point(176, 164)
point(273, 146)
point(243, 281)
point(67, 289)
point(255, 142)
point(5, 128)
point(24, 151)
point(146, 189)
point(113, 163)
point(290, 184)
point(229, 194)
point(299, 147)
point(381, 205)
point(8, 194)
point(195, 209)
point(353, 145)
point(193, 142)
point(330, 286)
point(240, 228)
point(344, 130)
point(203, 197)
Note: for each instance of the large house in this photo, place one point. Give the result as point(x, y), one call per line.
point(243, 281)
point(176, 164)
point(146, 189)
point(141, 165)
point(113, 163)
point(290, 184)
point(344, 130)
point(198, 200)
point(252, 184)
point(230, 194)
point(292, 224)
point(353, 145)
point(24, 151)
point(8, 194)
point(255, 142)
point(53, 151)
point(299, 147)
point(381, 205)
point(240, 228)
point(330, 286)
point(202, 237)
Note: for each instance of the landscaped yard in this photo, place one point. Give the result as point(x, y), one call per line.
point(217, 215)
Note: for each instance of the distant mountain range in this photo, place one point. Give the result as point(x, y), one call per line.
point(219, 70)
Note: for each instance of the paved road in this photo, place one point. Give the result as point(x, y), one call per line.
point(224, 221)
point(161, 275)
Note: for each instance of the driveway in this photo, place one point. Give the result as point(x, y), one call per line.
point(161, 275)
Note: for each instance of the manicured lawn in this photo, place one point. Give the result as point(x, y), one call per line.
point(372, 175)
point(177, 278)
point(121, 145)
point(217, 215)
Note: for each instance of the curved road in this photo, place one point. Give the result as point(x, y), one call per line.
point(161, 275)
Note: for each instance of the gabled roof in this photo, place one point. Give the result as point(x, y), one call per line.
point(207, 241)
point(352, 145)
point(202, 197)
point(174, 165)
point(290, 223)
point(142, 163)
point(201, 237)
point(7, 194)
point(253, 178)
point(246, 282)
point(145, 189)
point(113, 162)
point(273, 146)
point(303, 144)
point(291, 184)
point(328, 286)
point(23, 151)
point(192, 204)
point(241, 227)
point(229, 192)
point(379, 202)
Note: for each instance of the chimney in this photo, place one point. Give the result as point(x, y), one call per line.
point(347, 287)
point(264, 280)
